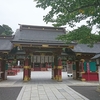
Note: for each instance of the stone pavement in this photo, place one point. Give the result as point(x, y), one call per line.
point(9, 93)
point(42, 87)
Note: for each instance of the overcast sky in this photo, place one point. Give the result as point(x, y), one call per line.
point(14, 12)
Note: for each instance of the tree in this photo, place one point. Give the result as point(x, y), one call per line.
point(5, 30)
point(1, 29)
point(80, 35)
point(70, 12)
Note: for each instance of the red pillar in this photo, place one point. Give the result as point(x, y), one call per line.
point(3, 70)
point(82, 70)
point(88, 71)
point(29, 72)
point(59, 70)
point(29, 75)
point(55, 68)
point(52, 77)
point(26, 73)
point(56, 73)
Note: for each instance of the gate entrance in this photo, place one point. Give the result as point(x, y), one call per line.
point(37, 48)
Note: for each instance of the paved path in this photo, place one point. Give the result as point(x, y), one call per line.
point(88, 91)
point(9, 93)
point(42, 87)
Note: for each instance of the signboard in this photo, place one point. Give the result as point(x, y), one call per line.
point(20, 57)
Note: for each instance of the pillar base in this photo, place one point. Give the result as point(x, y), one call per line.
point(26, 79)
point(83, 79)
point(29, 79)
point(98, 88)
point(59, 79)
point(54, 78)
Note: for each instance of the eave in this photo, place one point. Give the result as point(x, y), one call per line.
point(42, 44)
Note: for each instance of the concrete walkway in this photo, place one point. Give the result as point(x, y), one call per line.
point(42, 87)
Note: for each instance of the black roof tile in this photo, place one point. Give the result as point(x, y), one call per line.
point(5, 44)
point(35, 34)
point(83, 48)
point(42, 34)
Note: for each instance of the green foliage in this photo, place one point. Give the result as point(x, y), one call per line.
point(5, 30)
point(70, 12)
point(1, 29)
point(81, 35)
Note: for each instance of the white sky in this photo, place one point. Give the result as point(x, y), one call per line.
point(14, 12)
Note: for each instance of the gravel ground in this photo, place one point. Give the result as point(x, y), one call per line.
point(88, 91)
point(9, 93)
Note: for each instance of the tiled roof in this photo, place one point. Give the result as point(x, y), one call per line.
point(5, 44)
point(47, 35)
point(83, 48)
point(38, 34)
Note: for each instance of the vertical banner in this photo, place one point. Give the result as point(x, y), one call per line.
point(88, 70)
point(38, 59)
point(88, 67)
point(34, 59)
point(50, 59)
point(46, 59)
point(42, 58)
